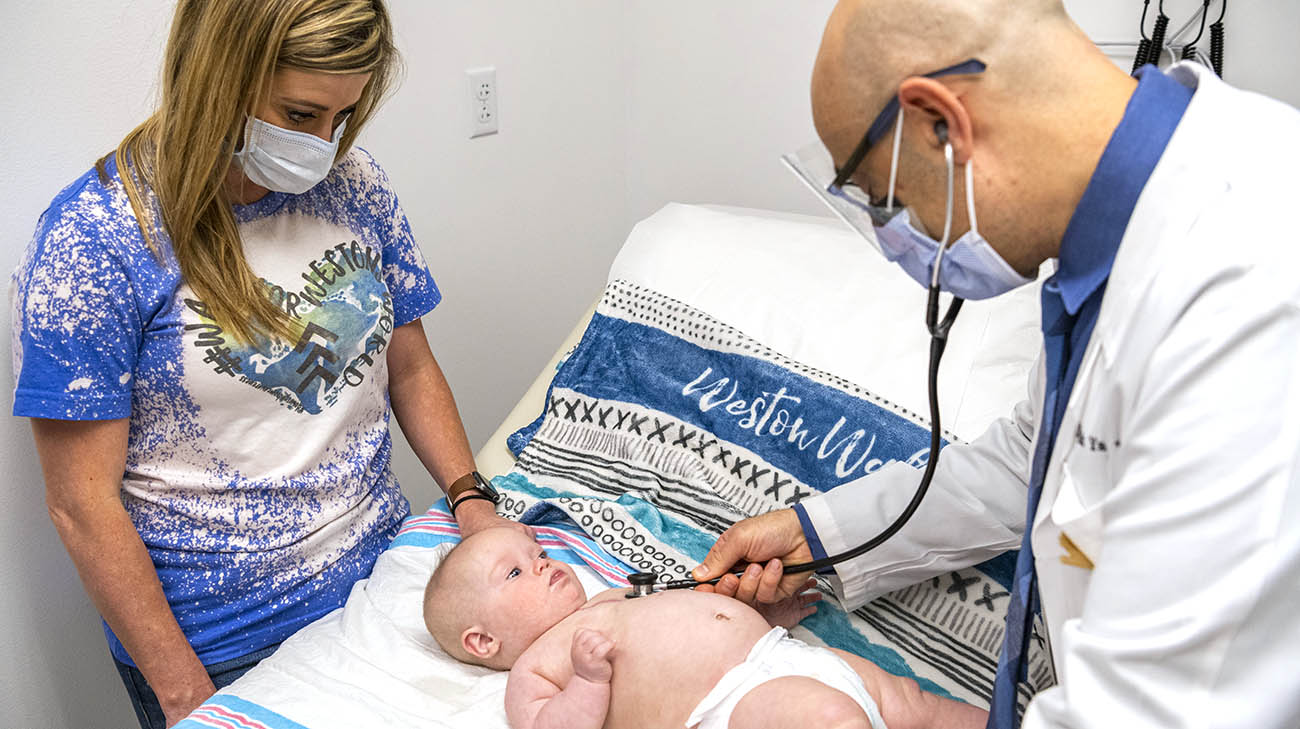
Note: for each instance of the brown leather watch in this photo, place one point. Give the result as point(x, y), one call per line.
point(469, 487)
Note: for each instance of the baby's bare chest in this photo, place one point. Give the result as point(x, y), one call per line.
point(669, 650)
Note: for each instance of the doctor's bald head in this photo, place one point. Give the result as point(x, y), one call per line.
point(1042, 98)
point(870, 46)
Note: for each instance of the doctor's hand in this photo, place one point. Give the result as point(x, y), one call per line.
point(766, 542)
point(475, 515)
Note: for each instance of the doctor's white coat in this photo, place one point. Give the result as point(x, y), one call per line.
point(1167, 539)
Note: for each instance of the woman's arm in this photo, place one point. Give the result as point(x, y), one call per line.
point(83, 462)
point(426, 411)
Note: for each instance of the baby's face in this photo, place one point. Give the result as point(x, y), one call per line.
point(522, 593)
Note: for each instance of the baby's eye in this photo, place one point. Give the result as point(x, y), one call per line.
point(513, 574)
point(542, 555)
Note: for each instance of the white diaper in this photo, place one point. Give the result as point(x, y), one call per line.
point(776, 655)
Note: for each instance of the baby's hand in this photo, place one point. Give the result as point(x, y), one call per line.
point(788, 612)
point(591, 655)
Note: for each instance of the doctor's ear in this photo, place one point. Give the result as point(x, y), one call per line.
point(479, 644)
point(941, 111)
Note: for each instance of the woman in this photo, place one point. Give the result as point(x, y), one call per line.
point(211, 326)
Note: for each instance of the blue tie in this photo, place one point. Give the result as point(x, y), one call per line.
point(1013, 662)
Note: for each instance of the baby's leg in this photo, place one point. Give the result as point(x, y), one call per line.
point(797, 702)
point(903, 705)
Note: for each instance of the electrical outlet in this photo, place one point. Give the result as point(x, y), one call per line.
point(482, 100)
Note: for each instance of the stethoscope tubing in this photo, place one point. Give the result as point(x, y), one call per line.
point(938, 342)
point(939, 330)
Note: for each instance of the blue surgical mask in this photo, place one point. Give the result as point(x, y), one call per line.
point(970, 268)
point(283, 160)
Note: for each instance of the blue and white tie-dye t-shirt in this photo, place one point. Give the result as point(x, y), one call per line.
point(258, 480)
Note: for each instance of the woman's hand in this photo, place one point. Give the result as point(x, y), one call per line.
point(766, 542)
point(184, 699)
point(475, 515)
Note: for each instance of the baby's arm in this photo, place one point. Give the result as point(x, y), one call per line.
point(535, 702)
point(788, 612)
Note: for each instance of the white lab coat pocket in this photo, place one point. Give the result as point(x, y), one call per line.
point(1090, 441)
point(1077, 516)
point(1067, 546)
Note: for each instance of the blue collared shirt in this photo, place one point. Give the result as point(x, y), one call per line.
point(1071, 298)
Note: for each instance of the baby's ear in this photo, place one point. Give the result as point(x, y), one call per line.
point(479, 643)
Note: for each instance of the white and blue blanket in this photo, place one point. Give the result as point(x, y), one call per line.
point(662, 428)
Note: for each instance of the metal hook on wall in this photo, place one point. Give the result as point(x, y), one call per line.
point(1189, 50)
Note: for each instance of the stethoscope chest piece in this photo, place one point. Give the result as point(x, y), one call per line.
point(641, 584)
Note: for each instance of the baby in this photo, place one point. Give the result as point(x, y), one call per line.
point(676, 659)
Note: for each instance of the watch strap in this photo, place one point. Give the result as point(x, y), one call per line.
point(462, 485)
point(469, 497)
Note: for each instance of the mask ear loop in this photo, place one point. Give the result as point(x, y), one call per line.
point(245, 135)
point(893, 165)
point(947, 221)
point(970, 197)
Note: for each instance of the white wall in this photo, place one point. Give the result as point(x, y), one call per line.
point(608, 110)
point(717, 92)
point(519, 228)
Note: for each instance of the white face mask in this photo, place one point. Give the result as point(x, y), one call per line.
point(283, 160)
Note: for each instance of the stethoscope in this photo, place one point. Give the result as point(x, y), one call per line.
point(648, 583)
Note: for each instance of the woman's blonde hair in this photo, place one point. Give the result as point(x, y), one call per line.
point(220, 58)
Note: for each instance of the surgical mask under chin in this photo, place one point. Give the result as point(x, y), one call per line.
point(283, 160)
point(969, 268)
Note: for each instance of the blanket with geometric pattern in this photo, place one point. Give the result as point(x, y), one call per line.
point(664, 426)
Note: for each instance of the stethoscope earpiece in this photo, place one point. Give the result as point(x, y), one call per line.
point(941, 130)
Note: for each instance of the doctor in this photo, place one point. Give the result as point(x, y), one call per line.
point(1151, 480)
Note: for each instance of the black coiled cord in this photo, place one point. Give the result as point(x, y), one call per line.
point(1144, 45)
point(1158, 36)
point(1216, 41)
